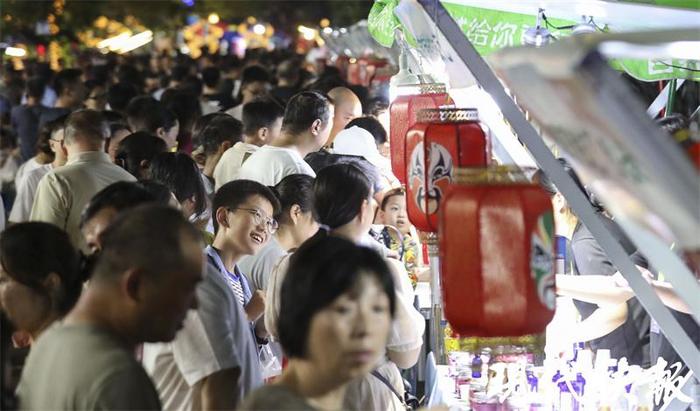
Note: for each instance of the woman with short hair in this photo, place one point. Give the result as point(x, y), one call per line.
point(340, 331)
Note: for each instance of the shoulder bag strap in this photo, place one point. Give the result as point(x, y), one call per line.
point(390, 386)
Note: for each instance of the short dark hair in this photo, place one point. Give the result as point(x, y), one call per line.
point(371, 124)
point(116, 121)
point(320, 271)
point(214, 129)
point(254, 73)
point(288, 70)
point(119, 95)
point(113, 117)
point(30, 251)
point(192, 84)
point(179, 72)
point(136, 148)
point(303, 109)
point(180, 174)
point(160, 192)
point(128, 73)
point(234, 193)
point(65, 80)
point(148, 237)
point(548, 185)
point(35, 87)
point(260, 113)
point(395, 192)
point(376, 106)
point(45, 133)
point(295, 189)
point(339, 191)
point(87, 125)
point(120, 196)
point(211, 76)
point(185, 105)
point(148, 114)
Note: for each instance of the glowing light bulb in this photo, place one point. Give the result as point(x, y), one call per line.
point(259, 29)
point(213, 18)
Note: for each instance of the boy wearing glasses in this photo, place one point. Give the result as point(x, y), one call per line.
point(216, 350)
point(51, 137)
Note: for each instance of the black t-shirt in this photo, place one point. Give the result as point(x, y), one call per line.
point(631, 339)
point(51, 114)
point(25, 120)
point(661, 346)
point(283, 93)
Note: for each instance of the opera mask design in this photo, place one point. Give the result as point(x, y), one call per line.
point(428, 188)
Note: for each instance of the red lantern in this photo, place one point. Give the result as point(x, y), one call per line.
point(440, 140)
point(497, 254)
point(403, 114)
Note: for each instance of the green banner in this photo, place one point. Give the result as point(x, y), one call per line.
point(679, 4)
point(382, 23)
point(491, 30)
point(654, 70)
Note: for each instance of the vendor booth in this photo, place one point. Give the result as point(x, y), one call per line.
point(486, 94)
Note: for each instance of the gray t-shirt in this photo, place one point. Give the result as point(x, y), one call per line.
point(82, 367)
point(217, 336)
point(275, 397)
point(257, 268)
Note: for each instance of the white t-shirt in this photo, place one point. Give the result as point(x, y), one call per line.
point(22, 207)
point(269, 165)
point(257, 268)
point(231, 161)
point(215, 337)
point(24, 170)
point(236, 112)
point(407, 328)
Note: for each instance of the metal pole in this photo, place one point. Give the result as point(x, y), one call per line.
point(582, 207)
point(660, 100)
point(437, 338)
point(671, 97)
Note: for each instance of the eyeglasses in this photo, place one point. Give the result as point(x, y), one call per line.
point(258, 218)
point(97, 97)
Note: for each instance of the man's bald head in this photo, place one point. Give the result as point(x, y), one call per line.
point(347, 107)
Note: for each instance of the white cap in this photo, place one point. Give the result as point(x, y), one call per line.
point(357, 141)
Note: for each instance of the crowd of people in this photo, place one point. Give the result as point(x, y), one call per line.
point(227, 233)
point(209, 234)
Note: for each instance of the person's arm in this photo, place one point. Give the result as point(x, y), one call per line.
point(218, 391)
point(602, 322)
point(404, 359)
point(126, 389)
point(256, 306)
point(23, 204)
point(207, 349)
point(669, 297)
point(595, 289)
point(406, 336)
point(51, 202)
point(272, 298)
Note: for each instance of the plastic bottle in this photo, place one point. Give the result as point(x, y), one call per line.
point(477, 363)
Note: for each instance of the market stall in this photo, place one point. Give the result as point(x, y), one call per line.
point(567, 98)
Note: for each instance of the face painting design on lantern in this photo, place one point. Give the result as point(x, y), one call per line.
point(439, 176)
point(542, 260)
